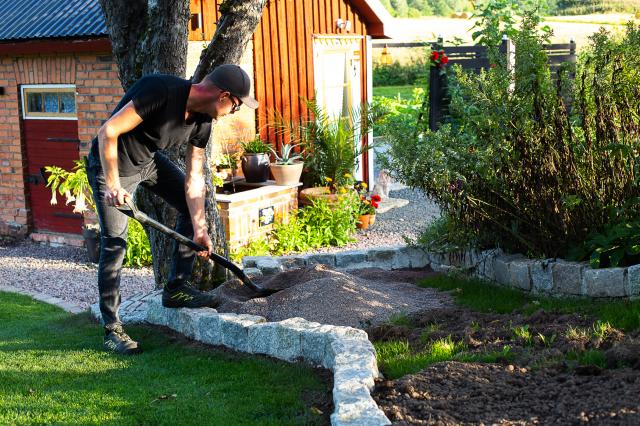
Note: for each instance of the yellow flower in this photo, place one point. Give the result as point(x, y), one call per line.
point(343, 191)
point(364, 185)
point(328, 179)
point(366, 202)
point(348, 176)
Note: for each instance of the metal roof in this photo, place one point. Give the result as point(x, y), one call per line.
point(42, 19)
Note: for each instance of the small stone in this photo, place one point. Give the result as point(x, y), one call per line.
point(510, 368)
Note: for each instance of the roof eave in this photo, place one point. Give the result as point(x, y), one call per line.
point(376, 17)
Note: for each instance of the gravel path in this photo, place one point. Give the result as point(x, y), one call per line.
point(64, 272)
point(390, 227)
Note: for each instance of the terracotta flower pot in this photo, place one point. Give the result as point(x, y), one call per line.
point(365, 221)
point(287, 174)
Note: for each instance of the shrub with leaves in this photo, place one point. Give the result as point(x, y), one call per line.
point(138, 248)
point(515, 168)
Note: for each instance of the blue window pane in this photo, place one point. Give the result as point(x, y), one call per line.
point(50, 102)
point(34, 102)
point(67, 103)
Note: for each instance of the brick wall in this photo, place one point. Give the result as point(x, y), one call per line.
point(98, 91)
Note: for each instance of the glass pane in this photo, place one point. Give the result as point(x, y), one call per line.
point(50, 102)
point(67, 102)
point(34, 102)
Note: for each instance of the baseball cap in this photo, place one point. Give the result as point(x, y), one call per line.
point(235, 80)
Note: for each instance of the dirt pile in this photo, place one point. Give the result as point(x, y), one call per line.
point(358, 299)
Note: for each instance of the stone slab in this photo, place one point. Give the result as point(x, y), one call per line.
point(347, 259)
point(542, 276)
point(567, 277)
point(632, 285)
point(327, 259)
point(390, 203)
point(520, 273)
point(607, 282)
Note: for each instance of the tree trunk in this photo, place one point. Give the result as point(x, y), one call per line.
point(152, 38)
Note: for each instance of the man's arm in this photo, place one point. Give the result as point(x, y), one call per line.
point(194, 188)
point(121, 122)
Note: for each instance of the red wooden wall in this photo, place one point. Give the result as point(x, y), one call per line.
point(283, 51)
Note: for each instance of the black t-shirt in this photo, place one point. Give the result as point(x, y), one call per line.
point(161, 101)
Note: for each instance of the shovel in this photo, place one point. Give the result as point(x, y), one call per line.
point(132, 211)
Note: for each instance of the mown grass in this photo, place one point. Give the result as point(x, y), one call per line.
point(405, 92)
point(484, 297)
point(53, 371)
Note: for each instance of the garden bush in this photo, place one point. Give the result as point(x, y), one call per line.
point(531, 164)
point(397, 74)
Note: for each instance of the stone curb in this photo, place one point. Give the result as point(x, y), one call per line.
point(346, 351)
point(552, 277)
point(51, 300)
point(388, 258)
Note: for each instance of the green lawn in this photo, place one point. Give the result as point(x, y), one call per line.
point(53, 370)
point(405, 92)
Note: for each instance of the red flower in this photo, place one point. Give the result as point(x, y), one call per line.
point(376, 198)
point(435, 56)
point(374, 204)
point(444, 60)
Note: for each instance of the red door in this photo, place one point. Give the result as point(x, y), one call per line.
point(50, 143)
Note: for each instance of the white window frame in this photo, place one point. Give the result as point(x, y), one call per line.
point(26, 88)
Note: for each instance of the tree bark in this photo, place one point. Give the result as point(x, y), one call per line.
point(152, 38)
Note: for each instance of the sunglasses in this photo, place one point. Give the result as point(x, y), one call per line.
point(235, 107)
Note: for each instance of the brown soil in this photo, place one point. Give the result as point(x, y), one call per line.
point(358, 299)
point(537, 384)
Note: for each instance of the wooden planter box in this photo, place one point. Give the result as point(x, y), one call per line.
point(250, 212)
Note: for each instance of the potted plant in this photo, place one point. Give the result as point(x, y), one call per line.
point(287, 168)
point(226, 166)
point(74, 186)
point(331, 144)
point(255, 161)
point(367, 206)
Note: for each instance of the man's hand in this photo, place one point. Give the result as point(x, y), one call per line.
point(201, 236)
point(116, 196)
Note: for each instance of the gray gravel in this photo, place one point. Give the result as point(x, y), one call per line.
point(64, 272)
point(355, 298)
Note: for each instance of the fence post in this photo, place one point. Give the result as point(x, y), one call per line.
point(572, 47)
point(508, 50)
point(435, 90)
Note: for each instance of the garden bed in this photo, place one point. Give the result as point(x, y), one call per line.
point(547, 361)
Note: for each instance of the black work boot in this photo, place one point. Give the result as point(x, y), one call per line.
point(118, 342)
point(180, 294)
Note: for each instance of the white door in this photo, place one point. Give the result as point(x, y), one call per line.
point(337, 75)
